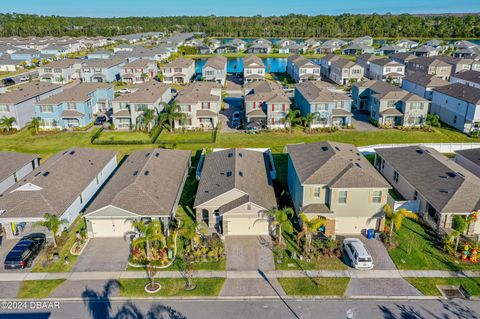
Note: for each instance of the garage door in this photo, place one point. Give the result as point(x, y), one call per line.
point(247, 226)
point(353, 225)
point(110, 227)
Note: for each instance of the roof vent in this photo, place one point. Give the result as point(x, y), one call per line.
point(135, 173)
point(240, 173)
point(419, 151)
point(157, 154)
point(46, 173)
point(324, 148)
point(72, 152)
point(336, 147)
point(451, 174)
point(358, 165)
point(146, 173)
point(38, 174)
point(240, 154)
point(229, 173)
point(230, 154)
point(147, 155)
point(444, 191)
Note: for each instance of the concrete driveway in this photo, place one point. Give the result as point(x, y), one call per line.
point(377, 250)
point(233, 104)
point(249, 253)
point(360, 122)
point(104, 254)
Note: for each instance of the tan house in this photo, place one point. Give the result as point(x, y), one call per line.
point(343, 71)
point(253, 69)
point(335, 181)
point(178, 71)
point(430, 65)
point(138, 71)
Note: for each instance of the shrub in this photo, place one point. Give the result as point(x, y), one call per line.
point(433, 120)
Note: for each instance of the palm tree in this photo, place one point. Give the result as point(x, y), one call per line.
point(309, 119)
point(148, 233)
point(396, 218)
point(170, 114)
point(7, 123)
point(146, 118)
point(281, 222)
point(309, 227)
point(292, 118)
point(52, 223)
point(34, 124)
point(192, 232)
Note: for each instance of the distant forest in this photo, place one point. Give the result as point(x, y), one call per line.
point(292, 26)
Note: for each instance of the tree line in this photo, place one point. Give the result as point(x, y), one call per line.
point(293, 25)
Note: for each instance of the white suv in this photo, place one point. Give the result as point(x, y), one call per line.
point(357, 253)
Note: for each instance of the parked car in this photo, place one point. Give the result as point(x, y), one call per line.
point(24, 78)
point(236, 119)
point(357, 253)
point(8, 81)
point(123, 91)
point(24, 252)
point(100, 120)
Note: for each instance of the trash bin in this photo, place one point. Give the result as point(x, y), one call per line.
point(370, 233)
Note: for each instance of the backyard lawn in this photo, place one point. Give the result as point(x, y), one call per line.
point(428, 286)
point(127, 136)
point(417, 251)
point(172, 287)
point(35, 289)
point(314, 286)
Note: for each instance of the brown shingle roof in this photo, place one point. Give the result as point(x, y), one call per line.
point(149, 92)
point(27, 91)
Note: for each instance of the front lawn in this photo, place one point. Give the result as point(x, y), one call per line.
point(428, 286)
point(35, 289)
point(172, 287)
point(314, 286)
point(124, 136)
point(418, 251)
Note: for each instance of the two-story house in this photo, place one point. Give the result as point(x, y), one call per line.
point(471, 78)
point(422, 84)
point(215, 69)
point(429, 65)
point(60, 71)
point(200, 102)
point(101, 70)
point(20, 104)
point(266, 104)
point(74, 107)
point(343, 71)
point(260, 46)
point(138, 71)
point(330, 108)
point(364, 60)
point(330, 46)
point(336, 182)
point(386, 70)
point(426, 51)
point(253, 69)
point(128, 108)
point(301, 69)
point(178, 71)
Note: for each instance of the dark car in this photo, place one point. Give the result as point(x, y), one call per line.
point(100, 119)
point(8, 81)
point(24, 252)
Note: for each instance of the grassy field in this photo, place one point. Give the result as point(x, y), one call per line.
point(417, 251)
point(116, 136)
point(171, 287)
point(314, 286)
point(35, 289)
point(428, 286)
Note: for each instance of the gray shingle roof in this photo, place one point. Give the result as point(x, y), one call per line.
point(148, 92)
point(216, 62)
point(472, 155)
point(461, 91)
point(27, 91)
point(317, 91)
point(12, 162)
point(470, 75)
point(426, 80)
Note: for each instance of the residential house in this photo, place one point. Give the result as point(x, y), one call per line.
point(239, 44)
point(429, 65)
point(101, 70)
point(15, 166)
point(9, 65)
point(178, 71)
point(100, 55)
point(363, 92)
point(200, 102)
point(26, 55)
point(457, 105)
point(138, 71)
point(235, 192)
point(312, 44)
point(387, 70)
point(215, 69)
point(123, 48)
point(407, 44)
point(253, 69)
point(422, 84)
point(301, 69)
point(426, 51)
point(435, 43)
point(226, 48)
point(260, 46)
point(147, 186)
point(364, 60)
point(20, 103)
point(60, 71)
point(461, 64)
point(343, 71)
point(296, 48)
point(403, 57)
point(365, 40)
point(442, 187)
point(330, 46)
point(359, 48)
point(389, 49)
point(471, 78)
point(62, 186)
point(336, 182)
point(54, 50)
point(128, 108)
point(330, 108)
point(266, 104)
point(74, 107)
point(469, 53)
point(469, 159)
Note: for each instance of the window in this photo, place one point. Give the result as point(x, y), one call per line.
point(415, 195)
point(177, 70)
point(205, 105)
point(395, 176)
point(184, 108)
point(377, 197)
point(48, 70)
point(140, 107)
point(81, 199)
point(316, 192)
point(46, 108)
point(48, 122)
point(416, 106)
point(4, 108)
point(71, 106)
point(321, 107)
point(390, 103)
point(96, 178)
point(57, 70)
point(209, 73)
point(455, 119)
point(342, 197)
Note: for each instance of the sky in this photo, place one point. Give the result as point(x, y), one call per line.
point(119, 8)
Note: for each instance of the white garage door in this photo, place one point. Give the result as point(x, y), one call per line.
point(354, 225)
point(110, 227)
point(246, 226)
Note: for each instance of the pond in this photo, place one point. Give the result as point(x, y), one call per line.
point(272, 65)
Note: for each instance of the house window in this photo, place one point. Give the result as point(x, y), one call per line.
point(71, 106)
point(316, 192)
point(342, 197)
point(177, 70)
point(140, 107)
point(184, 108)
point(96, 178)
point(455, 119)
point(415, 195)
point(4, 108)
point(81, 199)
point(416, 106)
point(46, 108)
point(377, 197)
point(395, 176)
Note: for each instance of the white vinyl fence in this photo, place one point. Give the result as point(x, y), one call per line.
point(441, 147)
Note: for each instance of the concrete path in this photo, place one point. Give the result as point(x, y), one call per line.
point(9, 289)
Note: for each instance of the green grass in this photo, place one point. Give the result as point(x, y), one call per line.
point(34, 289)
point(314, 286)
point(172, 287)
point(202, 137)
point(428, 286)
point(124, 136)
point(63, 251)
point(417, 251)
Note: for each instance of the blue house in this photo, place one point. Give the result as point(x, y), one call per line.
point(99, 55)
point(25, 55)
point(101, 70)
point(54, 50)
point(74, 107)
point(329, 108)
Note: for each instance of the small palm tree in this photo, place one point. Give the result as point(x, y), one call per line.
point(309, 227)
point(34, 124)
point(7, 122)
point(170, 114)
point(292, 118)
point(281, 223)
point(52, 223)
point(149, 232)
point(192, 232)
point(396, 218)
point(309, 119)
point(146, 119)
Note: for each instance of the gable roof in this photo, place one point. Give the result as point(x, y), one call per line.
point(253, 61)
point(77, 93)
point(27, 91)
point(265, 91)
point(245, 170)
point(337, 165)
point(200, 91)
point(148, 92)
point(179, 63)
point(148, 183)
point(426, 80)
point(301, 61)
point(216, 62)
point(472, 155)
point(12, 162)
point(470, 76)
point(461, 91)
point(318, 91)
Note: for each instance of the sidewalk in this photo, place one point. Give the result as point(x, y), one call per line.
point(351, 273)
